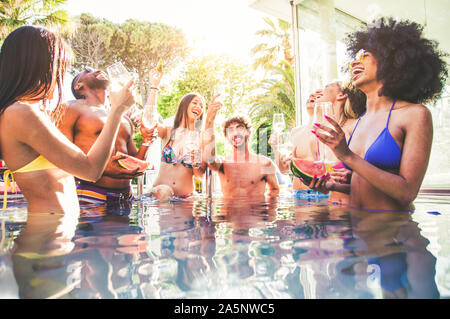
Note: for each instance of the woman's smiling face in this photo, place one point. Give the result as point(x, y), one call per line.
point(195, 108)
point(363, 68)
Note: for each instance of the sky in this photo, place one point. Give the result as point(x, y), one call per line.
point(211, 26)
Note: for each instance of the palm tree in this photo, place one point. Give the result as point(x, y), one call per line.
point(277, 46)
point(15, 13)
point(277, 96)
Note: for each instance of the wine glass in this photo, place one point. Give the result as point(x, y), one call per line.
point(118, 76)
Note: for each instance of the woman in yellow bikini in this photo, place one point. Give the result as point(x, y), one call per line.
point(43, 162)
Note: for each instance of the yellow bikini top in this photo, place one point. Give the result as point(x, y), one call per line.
point(38, 164)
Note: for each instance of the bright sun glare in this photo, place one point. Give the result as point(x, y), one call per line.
point(211, 26)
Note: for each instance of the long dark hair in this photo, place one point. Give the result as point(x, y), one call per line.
point(30, 59)
point(181, 114)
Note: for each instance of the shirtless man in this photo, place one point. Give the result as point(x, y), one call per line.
point(82, 123)
point(243, 174)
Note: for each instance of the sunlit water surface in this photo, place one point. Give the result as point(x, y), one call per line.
point(203, 248)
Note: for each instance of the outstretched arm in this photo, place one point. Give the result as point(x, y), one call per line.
point(208, 136)
point(35, 130)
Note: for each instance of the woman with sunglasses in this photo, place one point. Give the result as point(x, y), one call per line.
point(33, 62)
point(389, 149)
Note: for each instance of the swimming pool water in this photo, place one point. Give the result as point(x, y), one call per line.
point(210, 248)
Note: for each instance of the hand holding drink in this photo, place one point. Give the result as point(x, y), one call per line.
point(121, 86)
point(118, 76)
point(192, 150)
point(340, 174)
point(123, 99)
point(148, 134)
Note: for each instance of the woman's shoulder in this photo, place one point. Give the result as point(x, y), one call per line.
point(410, 107)
point(413, 116)
point(19, 107)
point(19, 112)
point(410, 110)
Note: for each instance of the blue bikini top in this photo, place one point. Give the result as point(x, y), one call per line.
point(384, 153)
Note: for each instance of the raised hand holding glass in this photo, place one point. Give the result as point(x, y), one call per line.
point(118, 76)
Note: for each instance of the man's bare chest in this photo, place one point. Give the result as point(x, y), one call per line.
point(243, 174)
point(91, 124)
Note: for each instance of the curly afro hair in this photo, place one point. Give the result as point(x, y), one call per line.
point(410, 67)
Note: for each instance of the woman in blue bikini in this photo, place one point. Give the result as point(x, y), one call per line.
point(390, 147)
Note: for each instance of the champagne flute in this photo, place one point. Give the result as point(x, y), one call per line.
point(327, 110)
point(321, 109)
point(286, 147)
point(118, 76)
point(317, 118)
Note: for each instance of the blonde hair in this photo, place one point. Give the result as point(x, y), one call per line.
point(355, 105)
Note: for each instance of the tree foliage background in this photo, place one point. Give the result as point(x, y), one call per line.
point(16, 13)
point(139, 45)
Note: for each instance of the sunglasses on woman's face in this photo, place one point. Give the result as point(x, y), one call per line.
point(359, 57)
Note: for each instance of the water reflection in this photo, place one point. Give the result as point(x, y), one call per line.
point(39, 261)
point(222, 249)
point(394, 252)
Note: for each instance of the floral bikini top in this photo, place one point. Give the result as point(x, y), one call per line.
point(168, 154)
